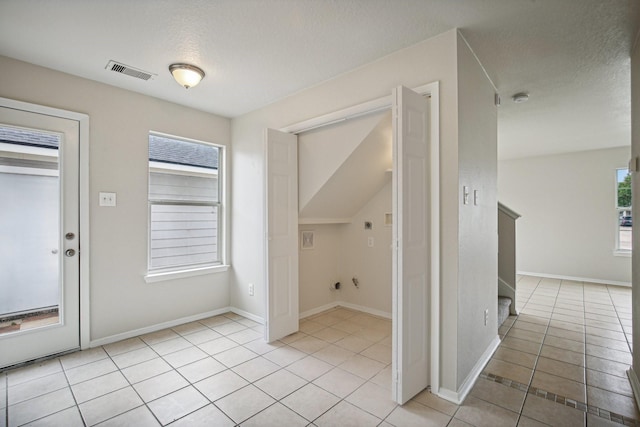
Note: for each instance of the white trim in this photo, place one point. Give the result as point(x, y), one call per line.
point(576, 279)
point(329, 306)
point(85, 277)
point(314, 311)
point(508, 211)
point(157, 327)
point(367, 310)
point(171, 275)
point(434, 90)
point(85, 227)
point(170, 168)
point(246, 314)
point(19, 170)
point(49, 153)
point(222, 203)
point(352, 112)
point(635, 384)
point(319, 221)
point(625, 253)
point(464, 389)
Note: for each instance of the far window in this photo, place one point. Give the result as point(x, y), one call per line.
point(623, 209)
point(184, 203)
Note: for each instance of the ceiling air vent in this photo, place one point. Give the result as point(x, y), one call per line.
point(129, 71)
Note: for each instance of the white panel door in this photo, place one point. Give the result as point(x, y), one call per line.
point(39, 235)
point(282, 234)
point(411, 359)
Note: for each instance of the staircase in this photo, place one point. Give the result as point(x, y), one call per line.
point(506, 262)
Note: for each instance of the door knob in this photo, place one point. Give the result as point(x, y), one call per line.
point(69, 252)
point(69, 236)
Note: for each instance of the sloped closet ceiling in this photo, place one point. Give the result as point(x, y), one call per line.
point(357, 163)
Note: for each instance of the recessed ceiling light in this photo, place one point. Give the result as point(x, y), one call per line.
point(520, 97)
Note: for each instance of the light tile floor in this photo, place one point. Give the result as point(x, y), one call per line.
point(561, 362)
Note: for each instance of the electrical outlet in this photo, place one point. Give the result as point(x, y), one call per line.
point(486, 316)
point(370, 241)
point(252, 290)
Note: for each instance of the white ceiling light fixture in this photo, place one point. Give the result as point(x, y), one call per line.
point(520, 97)
point(186, 75)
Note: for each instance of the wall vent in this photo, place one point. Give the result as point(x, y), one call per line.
point(129, 71)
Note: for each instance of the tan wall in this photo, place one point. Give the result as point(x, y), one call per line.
point(120, 121)
point(569, 221)
point(478, 224)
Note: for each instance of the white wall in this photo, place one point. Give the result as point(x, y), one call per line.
point(342, 252)
point(478, 224)
point(432, 60)
point(371, 265)
point(120, 121)
point(319, 268)
point(322, 151)
point(425, 62)
point(569, 221)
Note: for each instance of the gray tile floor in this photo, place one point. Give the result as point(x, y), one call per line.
point(561, 362)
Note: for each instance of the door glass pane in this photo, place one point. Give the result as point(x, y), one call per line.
point(29, 229)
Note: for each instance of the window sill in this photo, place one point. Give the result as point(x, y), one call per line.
point(622, 253)
point(171, 275)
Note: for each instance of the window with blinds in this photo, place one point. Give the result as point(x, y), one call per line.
point(184, 203)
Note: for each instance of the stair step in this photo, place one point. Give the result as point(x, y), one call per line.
point(503, 309)
point(504, 301)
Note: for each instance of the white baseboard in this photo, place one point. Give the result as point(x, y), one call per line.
point(576, 279)
point(335, 304)
point(246, 314)
point(458, 397)
point(635, 384)
point(317, 310)
point(364, 309)
point(170, 324)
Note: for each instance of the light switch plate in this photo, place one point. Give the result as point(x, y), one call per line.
point(107, 199)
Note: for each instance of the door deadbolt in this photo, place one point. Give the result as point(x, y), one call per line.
point(69, 252)
point(69, 236)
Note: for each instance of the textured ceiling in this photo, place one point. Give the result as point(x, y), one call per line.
point(571, 55)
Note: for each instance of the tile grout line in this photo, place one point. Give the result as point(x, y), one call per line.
point(615, 308)
point(603, 413)
point(535, 365)
point(562, 400)
point(109, 356)
point(75, 401)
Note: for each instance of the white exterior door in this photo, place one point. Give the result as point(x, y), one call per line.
point(282, 234)
point(39, 234)
point(411, 264)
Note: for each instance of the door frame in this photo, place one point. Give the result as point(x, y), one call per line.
point(433, 91)
point(83, 200)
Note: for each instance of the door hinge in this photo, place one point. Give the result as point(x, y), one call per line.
point(496, 100)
